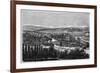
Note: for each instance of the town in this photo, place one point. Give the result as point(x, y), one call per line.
point(55, 44)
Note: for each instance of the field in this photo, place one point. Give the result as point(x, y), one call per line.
point(44, 44)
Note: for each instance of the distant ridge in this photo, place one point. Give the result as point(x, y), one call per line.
point(32, 28)
point(47, 29)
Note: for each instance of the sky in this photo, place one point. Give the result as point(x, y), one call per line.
point(54, 19)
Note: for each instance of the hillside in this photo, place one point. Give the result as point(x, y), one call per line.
point(54, 43)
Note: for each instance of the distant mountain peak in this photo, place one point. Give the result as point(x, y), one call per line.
point(30, 27)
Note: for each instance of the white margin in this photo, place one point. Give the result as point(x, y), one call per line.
point(21, 65)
